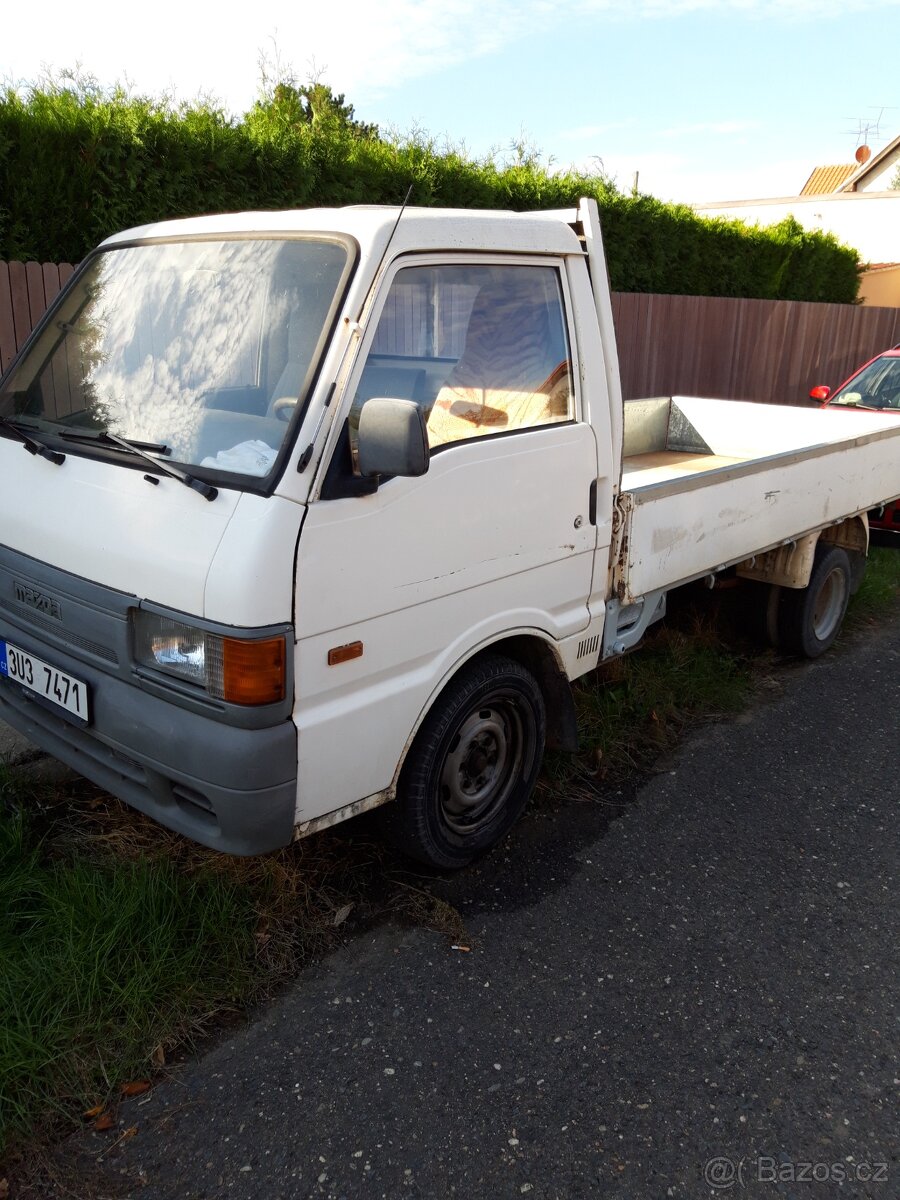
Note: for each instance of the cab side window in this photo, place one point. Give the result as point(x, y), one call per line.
point(482, 348)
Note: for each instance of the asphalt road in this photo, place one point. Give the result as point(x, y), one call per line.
point(710, 975)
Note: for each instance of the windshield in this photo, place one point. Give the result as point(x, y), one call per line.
point(202, 347)
point(876, 386)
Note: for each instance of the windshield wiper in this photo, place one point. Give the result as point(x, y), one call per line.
point(142, 450)
point(31, 444)
point(73, 433)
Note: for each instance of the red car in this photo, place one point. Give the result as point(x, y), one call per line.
point(876, 387)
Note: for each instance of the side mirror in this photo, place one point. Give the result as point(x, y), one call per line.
point(820, 393)
point(392, 439)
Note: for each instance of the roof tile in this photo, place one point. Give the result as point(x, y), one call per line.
point(827, 179)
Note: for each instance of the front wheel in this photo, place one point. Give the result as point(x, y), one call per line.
point(810, 618)
point(473, 764)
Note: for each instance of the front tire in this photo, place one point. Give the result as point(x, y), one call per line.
point(472, 766)
point(810, 618)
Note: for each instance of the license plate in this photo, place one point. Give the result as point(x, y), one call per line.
point(44, 681)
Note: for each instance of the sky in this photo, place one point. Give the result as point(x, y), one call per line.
point(707, 100)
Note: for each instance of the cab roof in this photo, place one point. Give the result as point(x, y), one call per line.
point(420, 229)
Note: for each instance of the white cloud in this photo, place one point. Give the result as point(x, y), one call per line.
point(361, 48)
point(364, 49)
point(368, 49)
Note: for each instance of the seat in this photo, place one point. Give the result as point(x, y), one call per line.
point(302, 335)
point(400, 383)
point(509, 375)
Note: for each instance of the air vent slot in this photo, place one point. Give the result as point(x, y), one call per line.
point(194, 803)
point(589, 646)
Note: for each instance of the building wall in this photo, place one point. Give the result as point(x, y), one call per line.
point(868, 221)
point(881, 287)
point(880, 177)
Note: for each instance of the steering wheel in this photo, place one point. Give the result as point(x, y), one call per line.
point(283, 408)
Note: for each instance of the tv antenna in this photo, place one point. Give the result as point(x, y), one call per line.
point(866, 130)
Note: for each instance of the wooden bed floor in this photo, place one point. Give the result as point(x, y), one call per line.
point(661, 465)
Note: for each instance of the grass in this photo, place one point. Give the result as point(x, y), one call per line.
point(634, 708)
point(102, 961)
point(879, 591)
point(648, 698)
point(703, 663)
point(120, 941)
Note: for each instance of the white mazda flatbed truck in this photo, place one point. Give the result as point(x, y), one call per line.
point(310, 512)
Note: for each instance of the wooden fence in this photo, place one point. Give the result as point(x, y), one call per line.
point(770, 350)
point(26, 289)
point(773, 350)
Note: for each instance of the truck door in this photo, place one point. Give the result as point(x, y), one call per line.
point(396, 584)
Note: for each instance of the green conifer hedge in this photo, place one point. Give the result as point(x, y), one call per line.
point(78, 163)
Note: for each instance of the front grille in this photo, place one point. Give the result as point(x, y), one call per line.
point(36, 621)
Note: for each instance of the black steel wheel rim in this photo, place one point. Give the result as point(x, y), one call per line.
point(483, 762)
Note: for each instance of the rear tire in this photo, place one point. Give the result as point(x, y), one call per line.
point(472, 766)
point(810, 618)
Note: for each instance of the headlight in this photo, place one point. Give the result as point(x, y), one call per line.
point(239, 670)
point(174, 647)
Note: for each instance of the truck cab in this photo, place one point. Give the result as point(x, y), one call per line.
point(247, 628)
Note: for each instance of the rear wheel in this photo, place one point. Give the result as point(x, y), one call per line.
point(472, 766)
point(810, 618)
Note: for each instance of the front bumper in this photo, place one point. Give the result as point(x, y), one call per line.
point(181, 783)
point(223, 777)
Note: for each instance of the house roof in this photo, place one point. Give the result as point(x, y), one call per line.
point(827, 179)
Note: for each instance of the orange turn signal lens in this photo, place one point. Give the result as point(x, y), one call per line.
point(253, 672)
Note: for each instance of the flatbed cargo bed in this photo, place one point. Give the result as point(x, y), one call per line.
point(660, 466)
point(709, 483)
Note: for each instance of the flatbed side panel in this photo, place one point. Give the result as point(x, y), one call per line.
point(686, 528)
